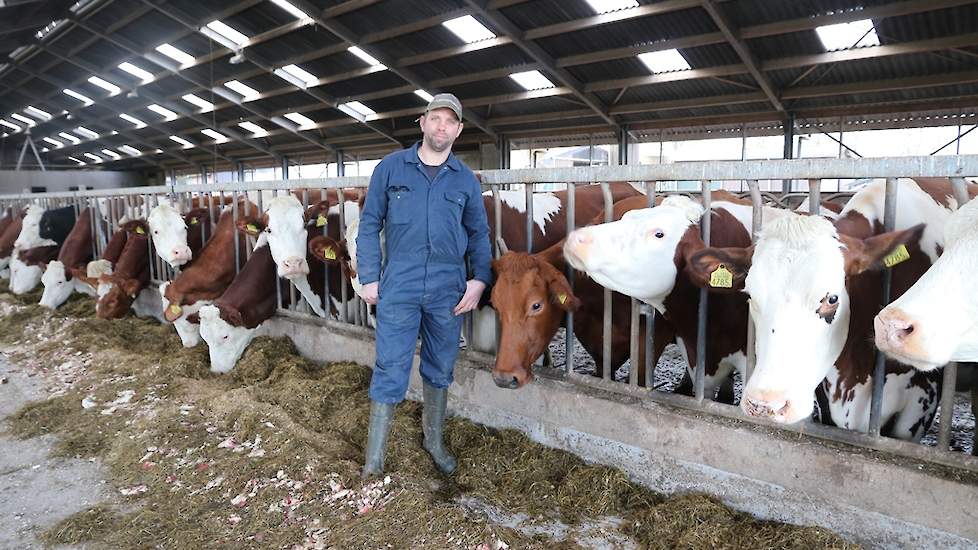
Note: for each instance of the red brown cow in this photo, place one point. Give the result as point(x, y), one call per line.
point(118, 290)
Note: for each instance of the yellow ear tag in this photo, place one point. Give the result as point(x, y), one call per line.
point(175, 309)
point(252, 228)
point(193, 221)
point(898, 256)
point(721, 278)
point(321, 221)
point(329, 254)
point(561, 298)
point(140, 230)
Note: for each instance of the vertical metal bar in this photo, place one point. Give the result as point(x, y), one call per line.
point(237, 243)
point(606, 334)
point(947, 406)
point(497, 217)
point(650, 315)
point(569, 331)
point(815, 196)
point(700, 380)
point(757, 205)
point(529, 217)
point(879, 371)
point(960, 189)
point(633, 342)
point(324, 195)
point(341, 206)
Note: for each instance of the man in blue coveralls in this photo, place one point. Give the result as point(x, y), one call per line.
point(430, 207)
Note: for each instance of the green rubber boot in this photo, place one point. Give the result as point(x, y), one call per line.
point(381, 415)
point(433, 424)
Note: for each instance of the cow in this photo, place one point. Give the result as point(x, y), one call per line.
point(206, 278)
point(41, 236)
point(814, 289)
point(130, 276)
point(75, 253)
point(936, 320)
point(9, 234)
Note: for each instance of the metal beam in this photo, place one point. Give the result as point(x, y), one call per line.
point(501, 22)
point(743, 52)
point(610, 17)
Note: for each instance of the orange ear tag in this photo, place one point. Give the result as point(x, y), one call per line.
point(721, 278)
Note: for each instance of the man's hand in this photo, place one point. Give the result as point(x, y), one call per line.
point(370, 293)
point(470, 300)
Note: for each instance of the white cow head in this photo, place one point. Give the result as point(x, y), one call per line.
point(936, 320)
point(57, 286)
point(23, 278)
point(189, 332)
point(169, 234)
point(30, 232)
point(799, 302)
point(225, 342)
point(285, 232)
point(635, 255)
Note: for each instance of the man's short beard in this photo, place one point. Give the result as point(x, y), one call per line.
point(430, 142)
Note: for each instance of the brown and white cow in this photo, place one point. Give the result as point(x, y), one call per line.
point(814, 289)
point(118, 290)
point(174, 234)
point(7, 238)
point(936, 320)
point(41, 236)
point(206, 278)
point(75, 253)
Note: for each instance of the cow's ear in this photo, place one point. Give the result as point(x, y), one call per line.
point(250, 226)
point(559, 289)
point(720, 269)
point(197, 217)
point(330, 251)
point(885, 250)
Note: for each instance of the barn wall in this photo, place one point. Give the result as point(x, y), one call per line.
point(13, 181)
point(769, 473)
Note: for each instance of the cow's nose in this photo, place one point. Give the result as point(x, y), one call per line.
point(765, 404)
point(295, 266)
point(181, 253)
point(893, 328)
point(581, 239)
point(507, 381)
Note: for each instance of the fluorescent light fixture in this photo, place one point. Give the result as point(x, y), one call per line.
point(532, 80)
point(843, 36)
point(141, 74)
point(424, 95)
point(198, 101)
point(158, 151)
point(10, 125)
point(45, 150)
point(300, 119)
point(175, 54)
point(80, 163)
point(54, 142)
point(69, 137)
point(215, 135)
point(605, 6)
point(299, 73)
point(371, 60)
point(129, 150)
point(224, 30)
point(104, 84)
point(665, 61)
point(167, 114)
point(256, 130)
point(186, 144)
point(247, 92)
point(34, 111)
point(85, 132)
point(299, 14)
point(112, 154)
point(29, 122)
point(83, 98)
point(132, 119)
point(360, 108)
point(96, 158)
point(469, 29)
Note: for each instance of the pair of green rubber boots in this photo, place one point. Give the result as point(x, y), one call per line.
point(432, 423)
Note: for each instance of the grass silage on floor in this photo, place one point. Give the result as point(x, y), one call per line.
point(269, 455)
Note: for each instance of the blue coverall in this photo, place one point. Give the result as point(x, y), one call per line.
point(430, 227)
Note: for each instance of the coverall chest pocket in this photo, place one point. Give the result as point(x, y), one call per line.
point(399, 204)
point(455, 204)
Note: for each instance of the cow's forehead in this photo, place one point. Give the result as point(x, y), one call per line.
point(797, 255)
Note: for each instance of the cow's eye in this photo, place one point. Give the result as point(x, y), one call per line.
point(268, 230)
point(833, 299)
point(659, 234)
point(537, 306)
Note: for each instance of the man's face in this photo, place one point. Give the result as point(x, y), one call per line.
point(440, 128)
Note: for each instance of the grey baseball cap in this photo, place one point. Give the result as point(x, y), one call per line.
point(446, 101)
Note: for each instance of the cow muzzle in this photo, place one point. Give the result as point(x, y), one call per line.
point(894, 329)
point(294, 267)
point(506, 381)
point(180, 255)
point(774, 407)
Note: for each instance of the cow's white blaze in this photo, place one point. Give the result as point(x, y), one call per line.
point(169, 234)
point(797, 263)
point(57, 287)
point(225, 343)
point(189, 332)
point(545, 205)
point(635, 255)
point(23, 278)
point(941, 307)
point(30, 232)
point(286, 235)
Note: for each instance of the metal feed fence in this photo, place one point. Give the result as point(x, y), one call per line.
point(647, 177)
